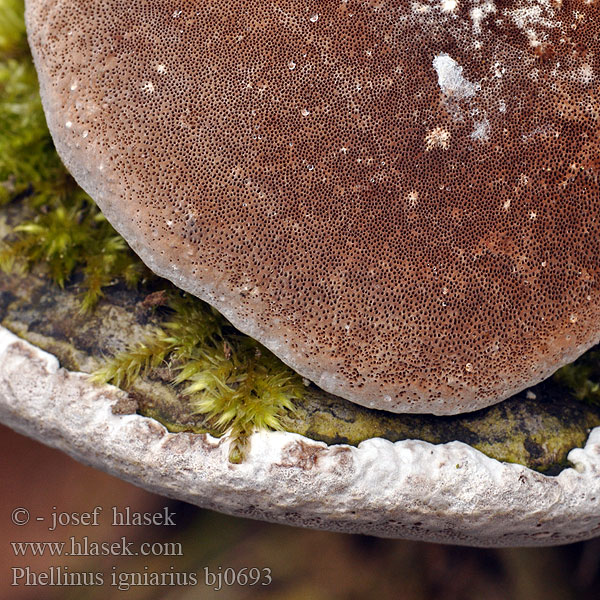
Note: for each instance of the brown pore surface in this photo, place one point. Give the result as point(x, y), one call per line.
point(400, 199)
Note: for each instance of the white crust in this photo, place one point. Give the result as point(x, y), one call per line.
point(410, 489)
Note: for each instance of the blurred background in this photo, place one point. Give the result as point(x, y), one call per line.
point(291, 563)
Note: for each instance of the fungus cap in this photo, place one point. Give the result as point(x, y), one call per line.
point(400, 199)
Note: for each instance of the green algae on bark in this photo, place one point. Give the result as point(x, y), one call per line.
point(583, 377)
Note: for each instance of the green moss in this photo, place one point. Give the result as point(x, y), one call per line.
point(13, 38)
point(230, 379)
point(26, 156)
point(68, 232)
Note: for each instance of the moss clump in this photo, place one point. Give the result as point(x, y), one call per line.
point(67, 232)
point(230, 379)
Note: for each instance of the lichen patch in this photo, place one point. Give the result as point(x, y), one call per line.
point(480, 12)
point(449, 6)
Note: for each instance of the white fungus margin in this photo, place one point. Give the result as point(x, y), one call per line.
point(409, 489)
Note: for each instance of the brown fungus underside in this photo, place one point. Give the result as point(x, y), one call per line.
point(400, 198)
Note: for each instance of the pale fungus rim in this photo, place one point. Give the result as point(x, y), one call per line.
point(448, 493)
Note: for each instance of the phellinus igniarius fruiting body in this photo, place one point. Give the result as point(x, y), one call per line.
point(400, 199)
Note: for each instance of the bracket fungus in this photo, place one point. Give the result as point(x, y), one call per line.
point(400, 199)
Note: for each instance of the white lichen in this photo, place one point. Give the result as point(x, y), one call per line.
point(480, 12)
point(481, 131)
point(449, 5)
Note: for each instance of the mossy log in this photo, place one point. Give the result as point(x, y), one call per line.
point(536, 428)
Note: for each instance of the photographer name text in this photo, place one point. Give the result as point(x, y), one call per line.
point(119, 517)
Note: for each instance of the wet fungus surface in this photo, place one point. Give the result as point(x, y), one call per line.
point(400, 199)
